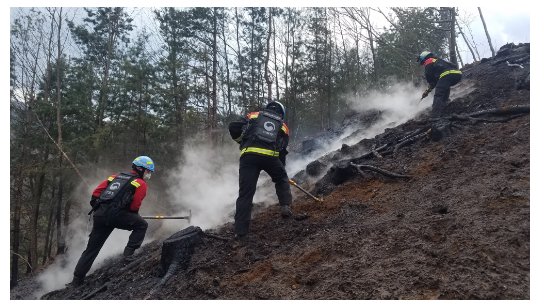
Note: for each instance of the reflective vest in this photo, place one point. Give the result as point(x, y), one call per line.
point(262, 134)
point(442, 66)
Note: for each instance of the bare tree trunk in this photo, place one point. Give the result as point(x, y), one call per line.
point(227, 64)
point(268, 81)
point(459, 55)
point(252, 102)
point(208, 89)
point(466, 42)
point(214, 80)
point(240, 63)
point(487, 33)
point(46, 248)
point(139, 119)
point(453, 43)
point(60, 243)
point(275, 62)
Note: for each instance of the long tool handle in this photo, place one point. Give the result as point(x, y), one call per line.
point(160, 217)
point(307, 193)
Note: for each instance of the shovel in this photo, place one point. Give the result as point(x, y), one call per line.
point(307, 193)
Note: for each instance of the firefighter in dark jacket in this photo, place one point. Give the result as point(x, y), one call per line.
point(442, 75)
point(115, 203)
point(263, 139)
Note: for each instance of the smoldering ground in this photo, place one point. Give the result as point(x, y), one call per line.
point(206, 182)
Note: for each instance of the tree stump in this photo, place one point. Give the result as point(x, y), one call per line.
point(179, 247)
point(341, 172)
point(176, 254)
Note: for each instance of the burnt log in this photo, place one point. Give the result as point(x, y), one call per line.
point(517, 109)
point(378, 170)
point(410, 140)
point(176, 254)
point(369, 154)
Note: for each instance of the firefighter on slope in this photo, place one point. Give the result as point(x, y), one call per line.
point(263, 139)
point(116, 202)
point(442, 75)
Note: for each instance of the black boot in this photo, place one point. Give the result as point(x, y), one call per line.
point(128, 254)
point(286, 211)
point(77, 281)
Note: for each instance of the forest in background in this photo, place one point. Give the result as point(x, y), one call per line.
point(95, 92)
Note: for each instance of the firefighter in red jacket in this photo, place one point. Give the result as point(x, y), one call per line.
point(115, 203)
point(442, 75)
point(263, 139)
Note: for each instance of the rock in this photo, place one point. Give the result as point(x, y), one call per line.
point(315, 168)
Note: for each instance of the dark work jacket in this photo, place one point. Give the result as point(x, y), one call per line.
point(437, 68)
point(257, 147)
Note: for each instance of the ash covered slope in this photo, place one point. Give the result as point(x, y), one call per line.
point(457, 229)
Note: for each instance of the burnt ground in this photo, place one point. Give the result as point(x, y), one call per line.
point(459, 228)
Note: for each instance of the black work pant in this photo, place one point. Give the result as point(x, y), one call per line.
point(250, 167)
point(102, 228)
point(442, 93)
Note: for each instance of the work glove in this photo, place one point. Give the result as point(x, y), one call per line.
point(93, 201)
point(425, 94)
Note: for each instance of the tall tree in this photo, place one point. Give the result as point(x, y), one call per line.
point(486, 33)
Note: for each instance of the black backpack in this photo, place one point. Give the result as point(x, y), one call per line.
point(118, 194)
point(265, 128)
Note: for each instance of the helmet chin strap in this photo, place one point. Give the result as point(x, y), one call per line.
point(139, 172)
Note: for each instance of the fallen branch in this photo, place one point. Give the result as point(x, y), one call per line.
point(410, 140)
point(518, 65)
point(24, 260)
point(504, 110)
point(378, 170)
point(368, 154)
point(418, 131)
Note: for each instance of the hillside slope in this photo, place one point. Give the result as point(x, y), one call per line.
point(459, 228)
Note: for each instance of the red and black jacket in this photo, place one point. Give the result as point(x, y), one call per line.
point(139, 193)
point(255, 146)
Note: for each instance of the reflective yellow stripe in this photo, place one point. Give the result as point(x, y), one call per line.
point(253, 116)
point(238, 139)
point(110, 178)
point(450, 72)
point(260, 151)
point(283, 128)
point(134, 183)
